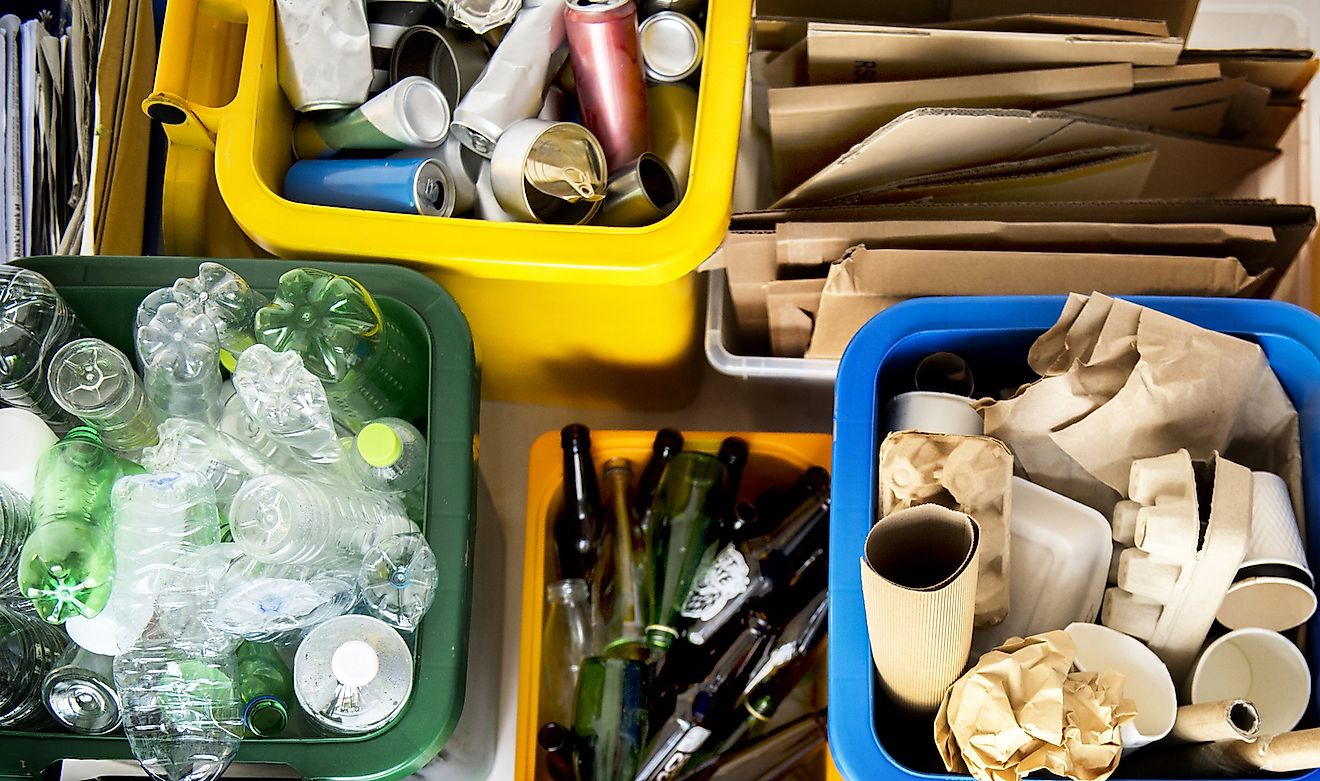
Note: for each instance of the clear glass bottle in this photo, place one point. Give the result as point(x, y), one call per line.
point(567, 639)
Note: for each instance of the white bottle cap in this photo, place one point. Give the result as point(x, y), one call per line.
point(355, 664)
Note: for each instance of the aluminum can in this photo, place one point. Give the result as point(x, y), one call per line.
point(671, 47)
point(548, 172)
point(607, 64)
point(639, 194)
point(394, 185)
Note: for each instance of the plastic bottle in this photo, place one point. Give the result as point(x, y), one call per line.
point(265, 686)
point(93, 381)
point(370, 367)
point(398, 578)
point(389, 456)
point(67, 564)
point(35, 321)
point(28, 648)
point(79, 692)
point(288, 403)
point(237, 423)
point(148, 309)
point(352, 675)
point(224, 297)
point(180, 356)
point(182, 713)
point(156, 519)
point(26, 438)
point(289, 520)
point(567, 640)
point(273, 603)
point(190, 446)
point(15, 525)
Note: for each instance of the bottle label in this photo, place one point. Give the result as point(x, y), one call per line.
point(726, 577)
point(673, 765)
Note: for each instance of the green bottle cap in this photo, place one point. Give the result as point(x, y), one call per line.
point(228, 361)
point(379, 445)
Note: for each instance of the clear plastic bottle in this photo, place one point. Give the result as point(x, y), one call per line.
point(67, 564)
point(265, 685)
point(180, 356)
point(28, 648)
point(15, 525)
point(274, 603)
point(35, 321)
point(569, 639)
point(148, 309)
point(398, 578)
point(289, 520)
point(156, 519)
point(288, 403)
point(352, 675)
point(370, 367)
point(182, 712)
point(79, 692)
point(93, 381)
point(237, 423)
point(190, 446)
point(227, 299)
point(389, 456)
point(26, 437)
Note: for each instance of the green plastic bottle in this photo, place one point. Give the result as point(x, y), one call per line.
point(68, 561)
point(370, 367)
point(683, 531)
point(265, 685)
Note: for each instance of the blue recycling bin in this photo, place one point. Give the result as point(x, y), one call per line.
point(869, 741)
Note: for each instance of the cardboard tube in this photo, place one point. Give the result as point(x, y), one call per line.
point(919, 588)
point(1209, 722)
point(944, 373)
point(1287, 752)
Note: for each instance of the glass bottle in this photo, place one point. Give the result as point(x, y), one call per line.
point(265, 687)
point(580, 527)
point(746, 573)
point(67, 564)
point(567, 639)
point(667, 444)
point(370, 367)
point(610, 717)
point(35, 321)
point(683, 530)
point(79, 692)
point(624, 631)
point(774, 505)
point(560, 748)
point(768, 758)
point(733, 454)
point(95, 382)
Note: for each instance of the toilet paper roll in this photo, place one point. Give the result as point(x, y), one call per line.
point(919, 588)
point(934, 413)
point(1274, 588)
point(1209, 722)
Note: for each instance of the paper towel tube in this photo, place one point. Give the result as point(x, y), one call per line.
point(919, 588)
point(1288, 752)
point(1257, 665)
point(1213, 721)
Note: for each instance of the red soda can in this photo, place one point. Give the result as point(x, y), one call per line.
point(607, 63)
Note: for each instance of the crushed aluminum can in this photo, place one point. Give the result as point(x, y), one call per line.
point(324, 53)
point(548, 172)
point(604, 49)
point(481, 16)
point(421, 186)
point(640, 194)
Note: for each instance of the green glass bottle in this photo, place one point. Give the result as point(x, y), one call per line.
point(623, 631)
point(266, 687)
point(67, 564)
point(370, 367)
point(683, 531)
point(611, 718)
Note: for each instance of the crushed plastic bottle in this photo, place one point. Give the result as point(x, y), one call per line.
point(289, 520)
point(93, 381)
point(28, 648)
point(67, 565)
point(180, 356)
point(182, 713)
point(288, 403)
point(156, 519)
point(274, 603)
point(237, 423)
point(227, 299)
point(352, 675)
point(370, 368)
point(389, 456)
point(35, 321)
point(191, 446)
point(398, 578)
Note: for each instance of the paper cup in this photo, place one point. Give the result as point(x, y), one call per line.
point(935, 413)
point(1146, 680)
point(919, 588)
point(1274, 587)
point(1257, 665)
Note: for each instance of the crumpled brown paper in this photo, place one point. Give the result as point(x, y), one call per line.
point(1021, 708)
point(1123, 382)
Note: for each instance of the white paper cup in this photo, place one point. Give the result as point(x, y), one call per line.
point(1274, 587)
point(1146, 680)
point(935, 413)
point(1257, 665)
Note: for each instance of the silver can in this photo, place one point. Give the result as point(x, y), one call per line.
point(549, 172)
point(639, 194)
point(481, 16)
point(671, 46)
point(452, 59)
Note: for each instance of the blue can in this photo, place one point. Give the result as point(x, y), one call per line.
point(417, 186)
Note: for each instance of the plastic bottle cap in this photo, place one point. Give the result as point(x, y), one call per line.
point(379, 445)
point(355, 663)
point(228, 361)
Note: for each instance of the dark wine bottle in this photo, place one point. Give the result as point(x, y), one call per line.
point(580, 527)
